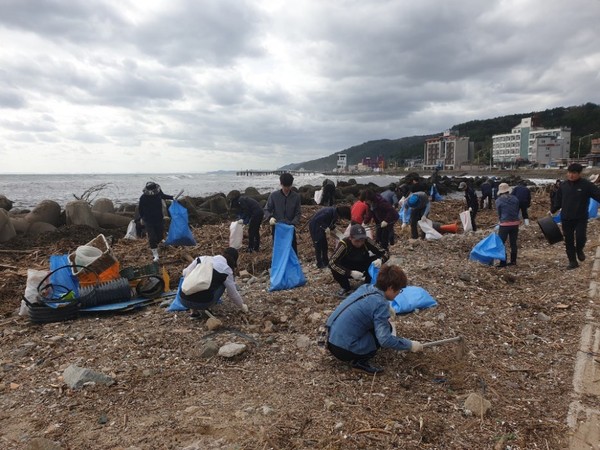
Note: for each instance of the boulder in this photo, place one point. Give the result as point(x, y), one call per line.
point(252, 192)
point(40, 228)
point(110, 220)
point(47, 211)
point(5, 203)
point(103, 205)
point(7, 230)
point(216, 204)
point(21, 225)
point(79, 212)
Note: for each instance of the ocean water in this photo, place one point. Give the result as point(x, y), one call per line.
point(27, 191)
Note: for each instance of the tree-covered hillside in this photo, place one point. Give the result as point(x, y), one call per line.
point(583, 120)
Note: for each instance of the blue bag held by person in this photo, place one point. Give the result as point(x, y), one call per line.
point(286, 272)
point(489, 249)
point(179, 229)
point(593, 209)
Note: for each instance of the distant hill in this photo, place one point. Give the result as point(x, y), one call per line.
point(582, 120)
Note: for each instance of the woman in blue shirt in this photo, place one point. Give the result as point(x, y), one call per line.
point(361, 323)
point(507, 206)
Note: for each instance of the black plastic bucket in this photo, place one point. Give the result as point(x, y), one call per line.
point(550, 229)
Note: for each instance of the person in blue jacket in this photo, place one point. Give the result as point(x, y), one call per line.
point(150, 209)
point(507, 206)
point(522, 192)
point(251, 214)
point(360, 325)
point(320, 225)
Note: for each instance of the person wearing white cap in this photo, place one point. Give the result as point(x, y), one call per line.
point(507, 206)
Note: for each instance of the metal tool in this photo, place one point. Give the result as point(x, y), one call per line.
point(443, 341)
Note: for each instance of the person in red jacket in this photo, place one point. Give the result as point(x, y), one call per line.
point(360, 210)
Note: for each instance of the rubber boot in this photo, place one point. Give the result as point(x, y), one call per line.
point(154, 254)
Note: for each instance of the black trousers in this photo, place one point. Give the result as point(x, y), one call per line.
point(385, 236)
point(415, 216)
point(254, 232)
point(343, 280)
point(346, 355)
point(524, 211)
point(321, 250)
point(482, 202)
point(155, 233)
point(512, 232)
point(575, 232)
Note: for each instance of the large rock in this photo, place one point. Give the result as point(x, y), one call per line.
point(7, 230)
point(110, 220)
point(21, 225)
point(47, 211)
point(216, 204)
point(103, 205)
point(41, 228)
point(5, 203)
point(76, 377)
point(79, 212)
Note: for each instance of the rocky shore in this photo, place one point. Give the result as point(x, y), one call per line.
point(509, 387)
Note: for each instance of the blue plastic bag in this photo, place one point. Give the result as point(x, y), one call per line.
point(435, 195)
point(412, 298)
point(404, 214)
point(286, 272)
point(489, 249)
point(593, 209)
point(556, 218)
point(63, 280)
point(179, 230)
point(176, 304)
point(373, 272)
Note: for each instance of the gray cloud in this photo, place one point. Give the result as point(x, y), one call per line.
point(228, 83)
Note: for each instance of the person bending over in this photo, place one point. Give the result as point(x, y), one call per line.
point(320, 225)
point(360, 325)
point(351, 259)
point(222, 279)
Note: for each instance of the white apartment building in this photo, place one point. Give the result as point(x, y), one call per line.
point(527, 142)
point(447, 152)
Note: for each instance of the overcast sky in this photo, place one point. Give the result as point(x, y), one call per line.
point(200, 85)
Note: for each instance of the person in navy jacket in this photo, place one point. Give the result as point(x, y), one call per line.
point(320, 226)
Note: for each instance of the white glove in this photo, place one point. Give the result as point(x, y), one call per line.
point(416, 346)
point(470, 209)
point(273, 221)
point(377, 263)
point(550, 213)
point(356, 275)
point(327, 230)
point(241, 221)
point(244, 308)
point(383, 224)
point(404, 225)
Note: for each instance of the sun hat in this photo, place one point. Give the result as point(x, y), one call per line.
point(462, 185)
point(358, 232)
point(503, 188)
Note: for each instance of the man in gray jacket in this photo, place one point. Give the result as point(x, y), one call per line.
point(283, 206)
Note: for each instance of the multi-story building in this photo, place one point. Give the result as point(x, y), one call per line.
point(529, 142)
point(447, 151)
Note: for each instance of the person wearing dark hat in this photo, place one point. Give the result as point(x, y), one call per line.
point(150, 210)
point(360, 325)
point(222, 279)
point(471, 201)
point(419, 207)
point(251, 214)
point(320, 225)
point(522, 192)
point(573, 199)
point(283, 206)
point(507, 206)
point(351, 258)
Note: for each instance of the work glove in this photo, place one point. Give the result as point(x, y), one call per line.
point(384, 224)
point(273, 221)
point(241, 221)
point(244, 308)
point(470, 209)
point(377, 263)
point(355, 274)
point(550, 213)
point(416, 346)
point(327, 231)
point(404, 225)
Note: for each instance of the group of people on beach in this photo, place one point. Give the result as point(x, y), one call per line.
point(362, 321)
